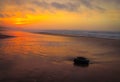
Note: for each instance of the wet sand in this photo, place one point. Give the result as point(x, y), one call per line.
point(49, 58)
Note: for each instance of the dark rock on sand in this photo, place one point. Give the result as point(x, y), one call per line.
point(81, 61)
point(4, 36)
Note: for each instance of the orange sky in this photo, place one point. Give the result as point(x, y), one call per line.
point(64, 14)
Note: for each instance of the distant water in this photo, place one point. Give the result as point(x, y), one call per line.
point(98, 34)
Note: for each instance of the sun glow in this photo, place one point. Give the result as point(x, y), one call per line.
point(20, 21)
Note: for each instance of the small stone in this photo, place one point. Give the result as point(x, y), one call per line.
point(81, 61)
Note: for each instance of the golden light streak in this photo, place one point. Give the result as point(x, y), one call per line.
point(19, 21)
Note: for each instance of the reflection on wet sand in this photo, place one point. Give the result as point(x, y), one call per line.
point(47, 58)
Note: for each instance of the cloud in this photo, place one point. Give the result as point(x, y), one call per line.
point(58, 5)
point(2, 16)
point(41, 3)
point(69, 5)
point(66, 5)
point(91, 5)
point(113, 1)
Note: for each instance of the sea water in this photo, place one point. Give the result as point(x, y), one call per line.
point(98, 34)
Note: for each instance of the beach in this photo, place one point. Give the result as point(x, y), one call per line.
point(42, 57)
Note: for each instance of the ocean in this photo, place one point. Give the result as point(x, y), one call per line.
point(98, 34)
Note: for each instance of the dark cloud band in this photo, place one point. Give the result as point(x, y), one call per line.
point(67, 5)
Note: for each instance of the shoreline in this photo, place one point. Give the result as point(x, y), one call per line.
point(115, 43)
point(70, 35)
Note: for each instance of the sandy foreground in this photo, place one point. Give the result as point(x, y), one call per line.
point(49, 58)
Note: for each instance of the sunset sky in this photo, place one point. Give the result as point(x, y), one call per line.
point(61, 14)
